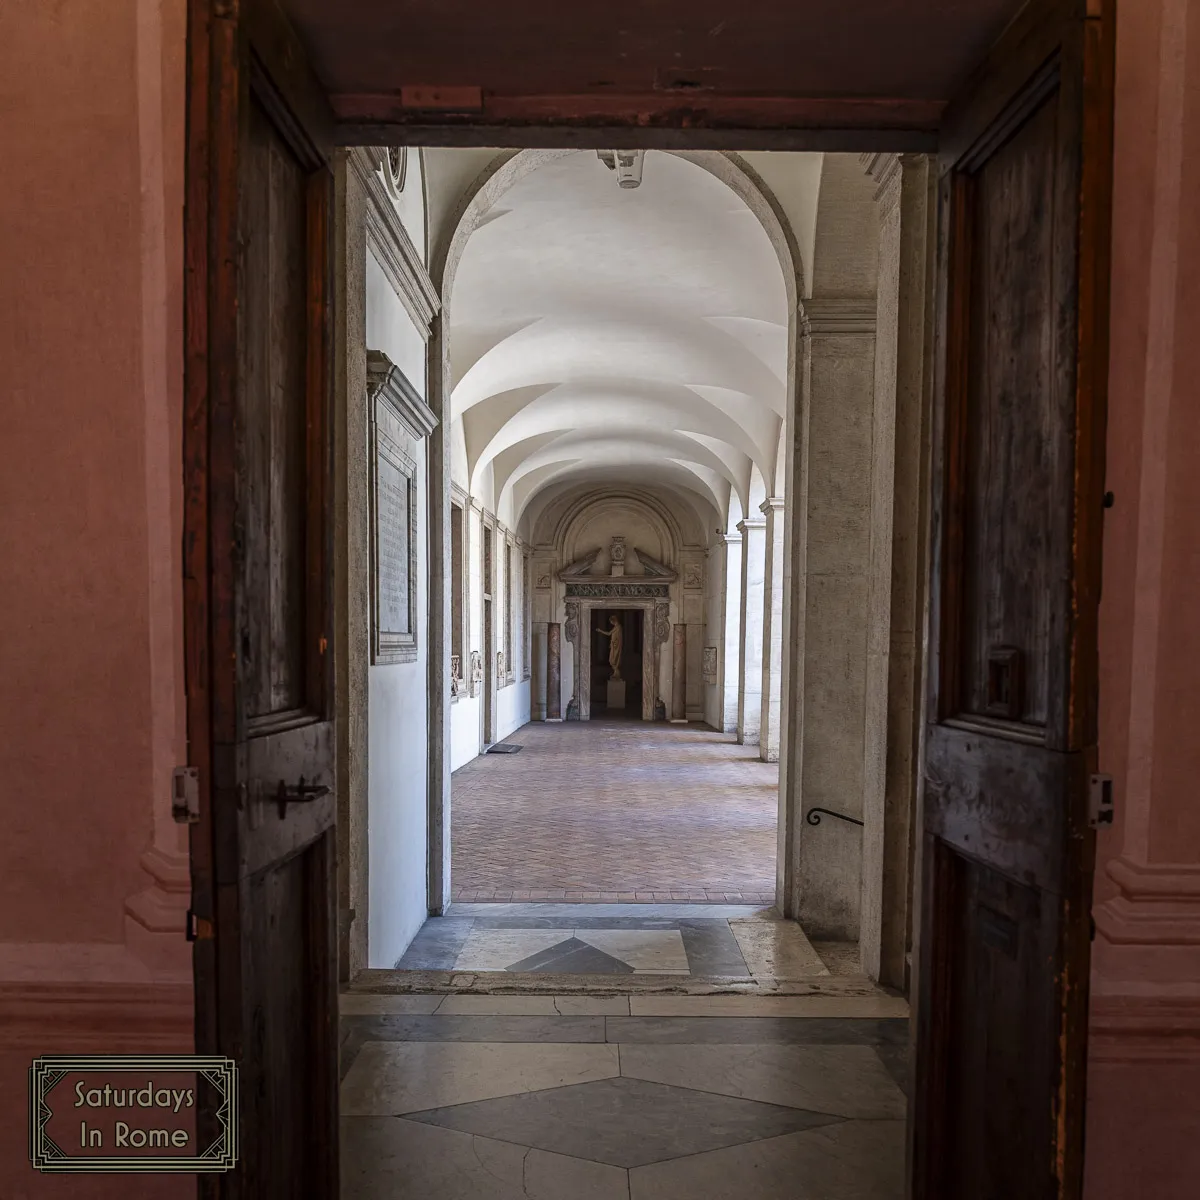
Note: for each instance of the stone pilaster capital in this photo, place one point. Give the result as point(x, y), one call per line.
point(751, 523)
point(771, 504)
point(839, 316)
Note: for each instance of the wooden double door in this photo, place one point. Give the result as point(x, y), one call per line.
point(1006, 849)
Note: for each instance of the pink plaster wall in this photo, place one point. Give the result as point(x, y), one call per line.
point(74, 689)
point(1144, 1068)
point(85, 511)
point(91, 106)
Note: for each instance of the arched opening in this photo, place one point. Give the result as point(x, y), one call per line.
point(619, 365)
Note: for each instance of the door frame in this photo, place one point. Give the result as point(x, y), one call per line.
point(650, 662)
point(581, 135)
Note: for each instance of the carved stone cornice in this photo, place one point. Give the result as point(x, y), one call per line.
point(829, 316)
point(386, 381)
point(389, 240)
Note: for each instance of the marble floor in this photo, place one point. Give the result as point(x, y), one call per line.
point(639, 1097)
point(736, 942)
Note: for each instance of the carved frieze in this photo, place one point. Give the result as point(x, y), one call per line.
point(693, 575)
point(709, 664)
point(625, 589)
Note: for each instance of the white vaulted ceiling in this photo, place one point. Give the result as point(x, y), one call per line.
point(632, 335)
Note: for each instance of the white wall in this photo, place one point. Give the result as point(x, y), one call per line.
point(397, 695)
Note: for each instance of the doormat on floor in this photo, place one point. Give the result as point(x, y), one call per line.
point(503, 748)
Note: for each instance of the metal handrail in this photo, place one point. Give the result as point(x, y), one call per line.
point(813, 816)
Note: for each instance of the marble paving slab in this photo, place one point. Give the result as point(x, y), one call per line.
point(777, 950)
point(645, 950)
point(532, 1006)
point(500, 1027)
point(813, 1031)
point(393, 1078)
point(391, 1158)
point(853, 1160)
point(352, 1004)
point(769, 1006)
point(844, 1081)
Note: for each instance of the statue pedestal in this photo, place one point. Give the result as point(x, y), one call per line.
point(615, 697)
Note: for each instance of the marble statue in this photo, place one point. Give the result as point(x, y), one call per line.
point(616, 639)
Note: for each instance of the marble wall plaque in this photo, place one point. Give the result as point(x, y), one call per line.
point(394, 542)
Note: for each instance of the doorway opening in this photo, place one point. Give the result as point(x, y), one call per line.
point(617, 663)
point(745, 484)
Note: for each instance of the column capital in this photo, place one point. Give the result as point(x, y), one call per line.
point(771, 504)
point(842, 316)
point(751, 523)
point(728, 539)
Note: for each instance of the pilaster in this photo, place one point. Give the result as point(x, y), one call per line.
point(772, 654)
point(754, 547)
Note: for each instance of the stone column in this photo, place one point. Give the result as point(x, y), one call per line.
point(896, 582)
point(679, 676)
point(538, 669)
point(731, 624)
point(754, 560)
point(553, 700)
point(772, 636)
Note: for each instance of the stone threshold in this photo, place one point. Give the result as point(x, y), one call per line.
point(732, 896)
point(666, 910)
point(511, 983)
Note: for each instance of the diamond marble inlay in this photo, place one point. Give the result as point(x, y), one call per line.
point(624, 1122)
point(572, 957)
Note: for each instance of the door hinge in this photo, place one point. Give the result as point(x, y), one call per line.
point(1100, 801)
point(198, 929)
point(185, 795)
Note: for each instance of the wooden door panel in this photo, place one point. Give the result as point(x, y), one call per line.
point(257, 461)
point(274, 368)
point(987, 797)
point(1017, 443)
point(1019, 415)
point(1003, 935)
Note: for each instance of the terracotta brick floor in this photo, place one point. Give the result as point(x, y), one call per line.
point(616, 811)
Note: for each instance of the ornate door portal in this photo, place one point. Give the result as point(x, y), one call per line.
point(656, 628)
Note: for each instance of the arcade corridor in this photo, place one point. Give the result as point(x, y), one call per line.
point(616, 811)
